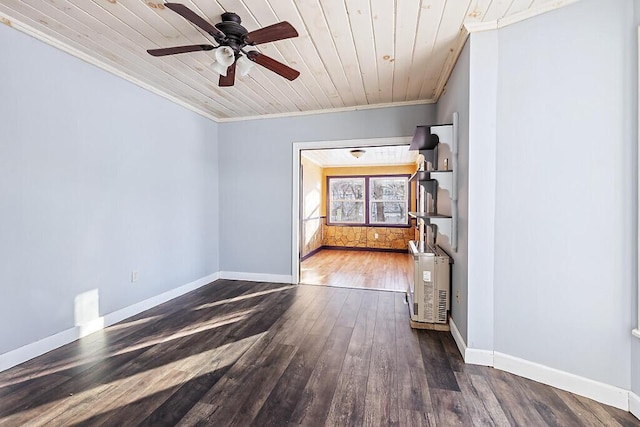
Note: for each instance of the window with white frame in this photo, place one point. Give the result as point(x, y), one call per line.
point(368, 200)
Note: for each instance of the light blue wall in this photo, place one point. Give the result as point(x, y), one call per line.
point(482, 183)
point(256, 177)
point(456, 99)
point(565, 197)
point(635, 344)
point(97, 178)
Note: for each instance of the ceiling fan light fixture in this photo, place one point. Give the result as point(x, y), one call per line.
point(232, 38)
point(224, 57)
point(219, 68)
point(244, 65)
point(357, 153)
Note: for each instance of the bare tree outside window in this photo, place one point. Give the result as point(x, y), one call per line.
point(346, 201)
point(388, 200)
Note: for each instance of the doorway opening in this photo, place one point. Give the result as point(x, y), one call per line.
point(350, 222)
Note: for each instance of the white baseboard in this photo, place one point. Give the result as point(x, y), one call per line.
point(29, 351)
point(595, 390)
point(475, 356)
point(472, 356)
point(601, 392)
point(256, 277)
point(457, 337)
point(634, 404)
point(132, 310)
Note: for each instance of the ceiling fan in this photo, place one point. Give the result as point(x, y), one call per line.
point(232, 39)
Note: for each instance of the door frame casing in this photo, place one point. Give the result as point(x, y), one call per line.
point(297, 148)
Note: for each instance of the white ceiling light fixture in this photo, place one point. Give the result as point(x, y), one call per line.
point(357, 153)
point(224, 57)
point(244, 65)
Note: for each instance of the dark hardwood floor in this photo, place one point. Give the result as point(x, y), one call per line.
point(241, 353)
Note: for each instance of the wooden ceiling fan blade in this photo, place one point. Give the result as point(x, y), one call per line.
point(179, 49)
point(280, 31)
point(193, 17)
point(229, 79)
point(273, 65)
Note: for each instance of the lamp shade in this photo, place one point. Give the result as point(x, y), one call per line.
point(224, 56)
point(244, 65)
point(357, 153)
point(219, 68)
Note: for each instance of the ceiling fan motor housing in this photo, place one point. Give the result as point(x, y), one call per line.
point(233, 31)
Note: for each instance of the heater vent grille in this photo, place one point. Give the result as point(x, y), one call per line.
point(442, 306)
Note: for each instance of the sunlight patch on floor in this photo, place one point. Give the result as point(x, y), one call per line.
point(128, 390)
point(82, 359)
point(242, 297)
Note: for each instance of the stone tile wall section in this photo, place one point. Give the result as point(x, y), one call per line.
point(365, 237)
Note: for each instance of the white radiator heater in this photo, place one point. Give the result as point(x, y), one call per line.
point(428, 293)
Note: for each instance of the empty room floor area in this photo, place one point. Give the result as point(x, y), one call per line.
point(389, 271)
point(267, 354)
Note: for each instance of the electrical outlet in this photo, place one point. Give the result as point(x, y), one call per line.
point(458, 297)
point(375, 235)
point(134, 276)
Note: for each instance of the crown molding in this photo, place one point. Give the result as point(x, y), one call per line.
point(473, 27)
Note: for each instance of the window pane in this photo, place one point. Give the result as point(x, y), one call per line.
point(388, 189)
point(388, 199)
point(346, 188)
point(347, 200)
point(347, 212)
point(388, 213)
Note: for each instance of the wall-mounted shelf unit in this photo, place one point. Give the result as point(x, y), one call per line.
point(436, 174)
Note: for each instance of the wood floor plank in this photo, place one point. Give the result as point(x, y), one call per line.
point(413, 387)
point(437, 365)
point(590, 415)
point(482, 414)
point(483, 391)
point(173, 410)
point(450, 409)
point(283, 399)
point(514, 401)
point(553, 410)
point(267, 377)
point(145, 401)
point(348, 403)
point(622, 417)
point(314, 403)
point(265, 354)
point(237, 385)
point(381, 401)
point(358, 355)
point(409, 418)
point(327, 319)
point(349, 311)
point(357, 269)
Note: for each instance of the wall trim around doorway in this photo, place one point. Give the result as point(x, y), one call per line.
point(297, 147)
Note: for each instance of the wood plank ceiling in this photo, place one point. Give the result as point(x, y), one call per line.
point(352, 54)
point(390, 155)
